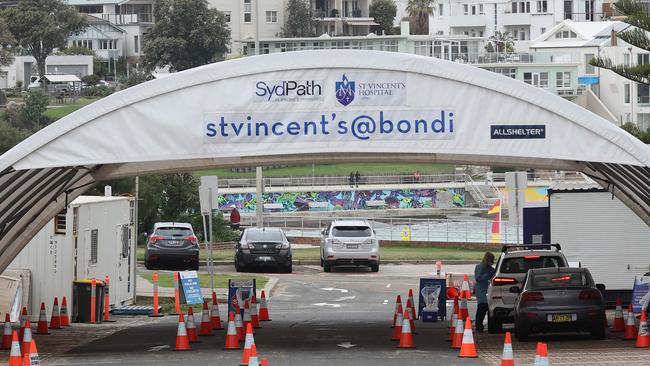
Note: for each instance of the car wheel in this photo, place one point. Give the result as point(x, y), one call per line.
point(327, 267)
point(288, 268)
point(374, 267)
point(598, 331)
point(195, 267)
point(237, 265)
point(321, 263)
point(495, 325)
point(521, 331)
point(147, 265)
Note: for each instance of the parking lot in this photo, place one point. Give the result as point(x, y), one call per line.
point(338, 318)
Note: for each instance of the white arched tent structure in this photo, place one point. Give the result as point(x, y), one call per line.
point(314, 106)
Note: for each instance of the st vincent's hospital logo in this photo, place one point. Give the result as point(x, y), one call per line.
point(345, 90)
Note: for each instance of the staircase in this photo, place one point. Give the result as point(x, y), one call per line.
point(484, 193)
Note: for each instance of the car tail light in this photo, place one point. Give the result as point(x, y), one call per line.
point(155, 238)
point(193, 239)
point(589, 295)
point(531, 257)
point(502, 281)
point(532, 296)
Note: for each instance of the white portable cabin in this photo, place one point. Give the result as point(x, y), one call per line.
point(93, 238)
point(599, 231)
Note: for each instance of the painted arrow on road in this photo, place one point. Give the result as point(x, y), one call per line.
point(335, 289)
point(158, 348)
point(347, 345)
point(345, 298)
point(326, 304)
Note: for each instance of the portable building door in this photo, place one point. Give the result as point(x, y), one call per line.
point(601, 233)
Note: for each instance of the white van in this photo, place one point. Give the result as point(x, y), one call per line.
point(349, 242)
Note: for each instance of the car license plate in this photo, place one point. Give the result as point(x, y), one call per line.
point(352, 246)
point(264, 259)
point(561, 318)
point(174, 243)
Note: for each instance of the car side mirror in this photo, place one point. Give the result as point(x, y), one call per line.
point(514, 290)
point(601, 287)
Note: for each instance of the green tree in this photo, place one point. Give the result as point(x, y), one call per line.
point(634, 130)
point(136, 76)
point(298, 20)
point(40, 26)
point(384, 12)
point(419, 11)
point(500, 42)
point(187, 34)
point(10, 136)
point(32, 112)
point(7, 43)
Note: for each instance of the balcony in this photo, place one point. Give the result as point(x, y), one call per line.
point(586, 17)
point(122, 19)
point(468, 20)
point(527, 58)
point(507, 19)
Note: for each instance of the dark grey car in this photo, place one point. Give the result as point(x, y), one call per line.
point(172, 245)
point(263, 247)
point(559, 300)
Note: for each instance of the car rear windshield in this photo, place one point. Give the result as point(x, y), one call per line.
point(552, 280)
point(351, 231)
point(173, 231)
point(523, 264)
point(273, 236)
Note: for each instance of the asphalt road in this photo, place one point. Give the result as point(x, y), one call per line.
point(340, 318)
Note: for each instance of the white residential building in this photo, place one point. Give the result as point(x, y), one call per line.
point(24, 67)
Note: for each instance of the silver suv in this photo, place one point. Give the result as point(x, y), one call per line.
point(349, 242)
point(511, 269)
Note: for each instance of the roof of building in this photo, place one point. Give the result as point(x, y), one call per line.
point(94, 2)
point(575, 186)
point(96, 199)
point(588, 34)
point(63, 78)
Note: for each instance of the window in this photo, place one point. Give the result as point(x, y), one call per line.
point(515, 34)
point(271, 16)
point(542, 6)
point(521, 7)
point(563, 80)
point(248, 12)
point(643, 58)
point(83, 43)
point(136, 44)
point(126, 233)
point(565, 34)
point(90, 9)
point(506, 71)
point(589, 68)
point(538, 79)
point(626, 59)
point(626, 94)
point(473, 8)
point(264, 48)
point(108, 44)
point(542, 30)
point(59, 223)
point(351, 231)
point(94, 239)
point(441, 10)
point(227, 15)
point(523, 264)
point(480, 9)
point(75, 220)
point(643, 93)
point(465, 9)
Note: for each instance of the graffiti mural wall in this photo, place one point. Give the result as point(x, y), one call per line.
point(347, 200)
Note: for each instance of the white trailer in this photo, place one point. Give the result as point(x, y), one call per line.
point(93, 238)
point(599, 231)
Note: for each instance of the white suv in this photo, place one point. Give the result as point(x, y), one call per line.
point(349, 242)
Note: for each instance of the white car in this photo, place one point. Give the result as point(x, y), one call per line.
point(349, 242)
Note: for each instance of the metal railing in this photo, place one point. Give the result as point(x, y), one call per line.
point(127, 18)
point(406, 229)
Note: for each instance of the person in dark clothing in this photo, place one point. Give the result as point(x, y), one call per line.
point(483, 273)
point(351, 179)
point(235, 218)
point(357, 178)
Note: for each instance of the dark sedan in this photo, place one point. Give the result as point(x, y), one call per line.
point(263, 247)
point(172, 245)
point(559, 300)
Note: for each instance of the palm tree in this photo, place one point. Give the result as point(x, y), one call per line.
point(500, 42)
point(419, 11)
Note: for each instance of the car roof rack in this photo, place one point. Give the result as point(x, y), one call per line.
point(507, 247)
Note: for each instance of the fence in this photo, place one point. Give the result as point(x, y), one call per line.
point(409, 229)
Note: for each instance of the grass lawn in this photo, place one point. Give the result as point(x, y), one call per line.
point(58, 111)
point(387, 253)
point(335, 169)
point(167, 304)
point(166, 279)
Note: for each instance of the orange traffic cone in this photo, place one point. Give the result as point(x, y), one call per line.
point(467, 348)
point(182, 339)
point(414, 314)
point(27, 337)
point(206, 324)
point(31, 358)
point(255, 317)
point(454, 320)
point(507, 358)
point(265, 361)
point(458, 334)
point(619, 322)
point(191, 326)
point(464, 289)
point(55, 320)
point(248, 343)
point(23, 319)
point(630, 325)
point(463, 312)
point(239, 324)
point(232, 338)
point(541, 355)
point(643, 339)
point(252, 360)
point(65, 318)
point(398, 303)
point(42, 322)
point(264, 311)
point(406, 337)
point(6, 335)
point(409, 308)
point(247, 314)
point(15, 357)
point(397, 329)
point(215, 319)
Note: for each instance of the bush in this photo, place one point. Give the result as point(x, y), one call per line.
point(30, 115)
point(97, 91)
point(91, 80)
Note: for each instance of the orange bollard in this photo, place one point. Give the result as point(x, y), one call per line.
point(154, 279)
point(93, 301)
point(107, 301)
point(177, 300)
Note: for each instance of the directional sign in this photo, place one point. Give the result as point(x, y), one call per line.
point(191, 287)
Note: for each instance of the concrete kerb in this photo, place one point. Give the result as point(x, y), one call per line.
point(396, 261)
